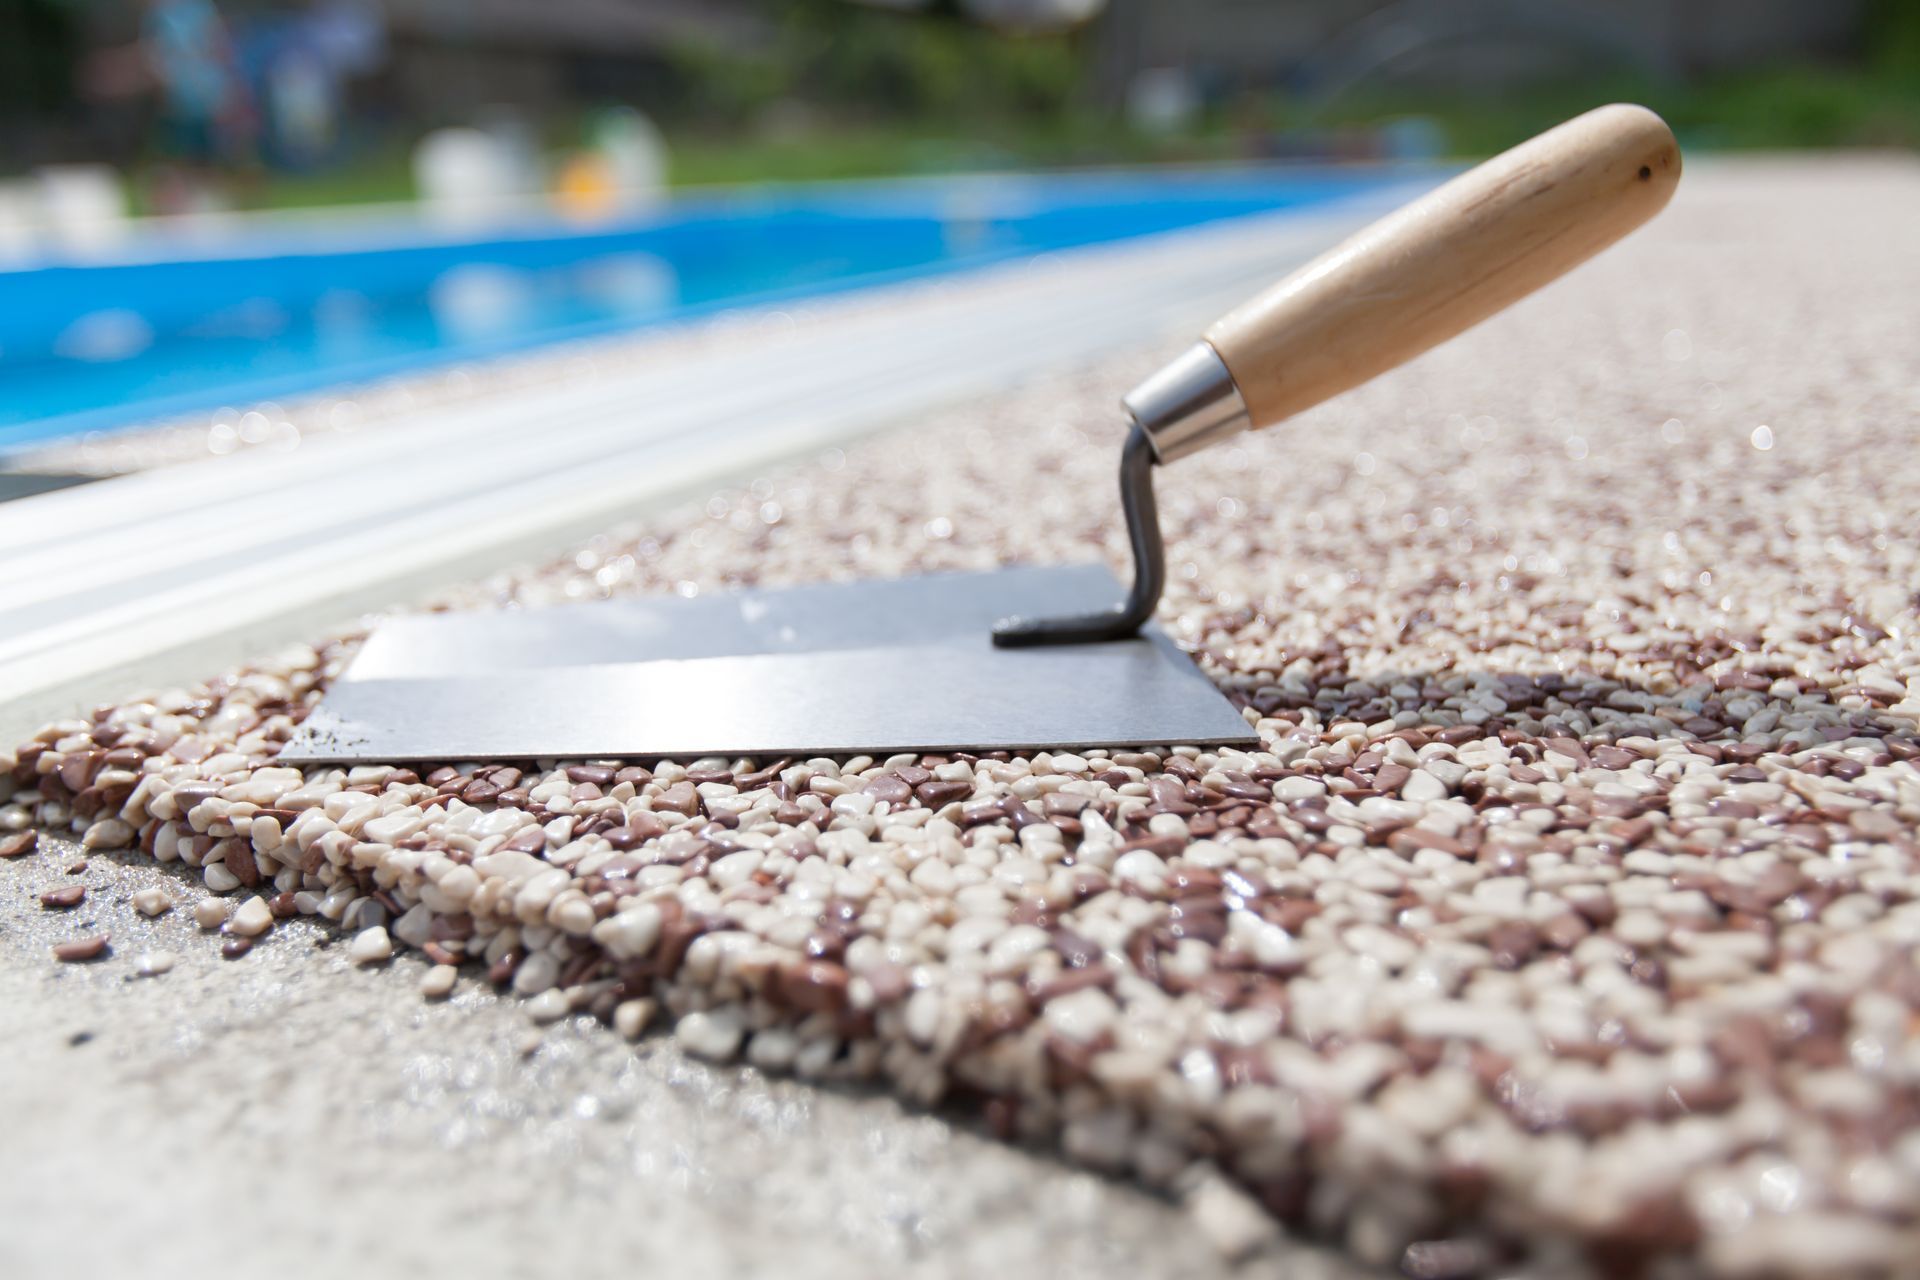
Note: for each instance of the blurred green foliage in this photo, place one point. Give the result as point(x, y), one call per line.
point(1893, 37)
point(1787, 107)
point(864, 63)
point(843, 91)
point(848, 91)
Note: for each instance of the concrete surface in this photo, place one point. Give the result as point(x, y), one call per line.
point(290, 1112)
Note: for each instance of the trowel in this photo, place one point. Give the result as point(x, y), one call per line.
point(1025, 658)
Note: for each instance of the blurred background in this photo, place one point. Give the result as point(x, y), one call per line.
point(609, 140)
point(286, 103)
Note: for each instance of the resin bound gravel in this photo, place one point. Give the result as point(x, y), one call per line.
point(1565, 920)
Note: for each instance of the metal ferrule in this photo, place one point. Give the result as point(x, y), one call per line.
point(1189, 404)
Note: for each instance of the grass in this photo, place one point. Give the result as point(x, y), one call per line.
point(1780, 108)
point(1796, 107)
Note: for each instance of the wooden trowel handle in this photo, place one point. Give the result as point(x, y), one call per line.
point(1441, 265)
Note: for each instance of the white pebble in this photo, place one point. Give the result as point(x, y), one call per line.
point(438, 981)
point(151, 964)
point(108, 833)
point(1229, 1219)
point(252, 919)
point(536, 974)
point(1081, 1016)
point(549, 1006)
point(631, 1017)
point(629, 934)
point(1422, 787)
point(714, 1035)
point(211, 913)
point(370, 946)
point(571, 913)
point(152, 902)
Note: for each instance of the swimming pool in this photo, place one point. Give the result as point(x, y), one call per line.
point(156, 332)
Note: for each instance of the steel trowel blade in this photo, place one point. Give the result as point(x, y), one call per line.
point(904, 664)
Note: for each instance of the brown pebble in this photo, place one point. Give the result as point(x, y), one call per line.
point(646, 826)
point(1063, 805)
point(21, 842)
point(1446, 1259)
point(80, 949)
point(77, 770)
point(816, 986)
point(235, 947)
point(681, 798)
point(529, 840)
point(1410, 840)
point(240, 862)
point(938, 795)
point(481, 791)
point(1564, 931)
point(890, 790)
point(1512, 942)
point(502, 969)
point(64, 898)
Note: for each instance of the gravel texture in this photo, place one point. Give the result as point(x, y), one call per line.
point(301, 1113)
point(1564, 921)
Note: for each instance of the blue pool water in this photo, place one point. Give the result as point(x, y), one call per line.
point(155, 332)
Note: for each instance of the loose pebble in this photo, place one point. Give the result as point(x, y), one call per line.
point(151, 964)
point(152, 902)
point(251, 918)
point(211, 913)
point(369, 946)
point(437, 982)
point(88, 948)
